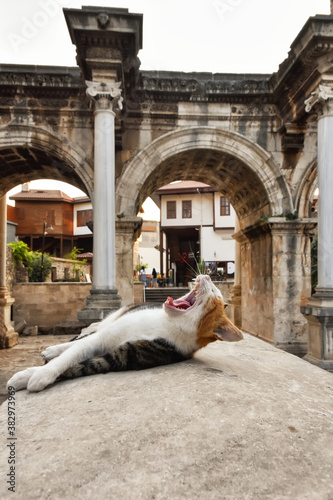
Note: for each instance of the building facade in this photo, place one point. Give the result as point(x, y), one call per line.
point(197, 224)
point(64, 217)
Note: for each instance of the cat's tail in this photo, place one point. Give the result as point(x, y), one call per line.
point(137, 355)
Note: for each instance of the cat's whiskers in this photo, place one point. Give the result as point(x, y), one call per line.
point(189, 266)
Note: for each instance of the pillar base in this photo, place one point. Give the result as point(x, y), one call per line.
point(99, 304)
point(8, 336)
point(319, 314)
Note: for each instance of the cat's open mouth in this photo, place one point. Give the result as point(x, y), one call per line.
point(182, 304)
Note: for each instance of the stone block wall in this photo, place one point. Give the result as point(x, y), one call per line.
point(257, 287)
point(138, 292)
point(53, 307)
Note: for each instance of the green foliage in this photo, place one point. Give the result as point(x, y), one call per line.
point(201, 265)
point(21, 252)
point(139, 266)
point(32, 260)
point(36, 272)
point(76, 263)
point(72, 255)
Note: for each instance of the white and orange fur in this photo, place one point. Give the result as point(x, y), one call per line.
point(184, 325)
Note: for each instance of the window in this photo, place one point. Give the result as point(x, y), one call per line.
point(171, 209)
point(83, 216)
point(224, 206)
point(187, 209)
point(50, 218)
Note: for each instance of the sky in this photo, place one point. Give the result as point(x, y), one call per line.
point(218, 36)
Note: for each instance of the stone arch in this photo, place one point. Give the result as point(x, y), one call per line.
point(241, 169)
point(305, 193)
point(33, 152)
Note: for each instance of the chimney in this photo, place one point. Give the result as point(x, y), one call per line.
point(25, 187)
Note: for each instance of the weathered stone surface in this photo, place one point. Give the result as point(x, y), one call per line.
point(239, 421)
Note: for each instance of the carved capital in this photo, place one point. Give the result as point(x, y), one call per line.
point(324, 95)
point(105, 94)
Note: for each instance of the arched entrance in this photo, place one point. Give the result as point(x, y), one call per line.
point(28, 153)
point(272, 245)
point(224, 159)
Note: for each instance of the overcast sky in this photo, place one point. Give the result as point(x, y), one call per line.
point(184, 35)
point(220, 36)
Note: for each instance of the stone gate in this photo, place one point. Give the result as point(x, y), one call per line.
point(119, 134)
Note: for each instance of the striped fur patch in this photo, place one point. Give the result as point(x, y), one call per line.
point(138, 355)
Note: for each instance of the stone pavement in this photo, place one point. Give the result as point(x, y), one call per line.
point(239, 421)
point(26, 353)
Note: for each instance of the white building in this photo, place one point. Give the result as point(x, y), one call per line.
point(197, 224)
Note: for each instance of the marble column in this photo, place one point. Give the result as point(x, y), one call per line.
point(8, 337)
point(103, 297)
point(319, 310)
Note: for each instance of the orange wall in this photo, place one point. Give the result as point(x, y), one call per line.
point(31, 216)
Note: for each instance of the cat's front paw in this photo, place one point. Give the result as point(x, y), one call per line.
point(40, 380)
point(20, 379)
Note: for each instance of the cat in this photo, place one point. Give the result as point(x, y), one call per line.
point(137, 337)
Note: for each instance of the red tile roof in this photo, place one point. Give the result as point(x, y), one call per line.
point(42, 194)
point(185, 187)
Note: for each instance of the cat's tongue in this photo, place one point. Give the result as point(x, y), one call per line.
point(178, 304)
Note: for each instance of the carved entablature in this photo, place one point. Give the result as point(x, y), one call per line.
point(60, 84)
point(170, 85)
point(214, 89)
point(34, 79)
point(237, 86)
point(26, 93)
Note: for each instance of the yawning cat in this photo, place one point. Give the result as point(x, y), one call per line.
point(135, 338)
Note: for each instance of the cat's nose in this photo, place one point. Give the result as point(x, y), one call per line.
point(202, 277)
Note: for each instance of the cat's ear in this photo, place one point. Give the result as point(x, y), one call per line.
point(228, 331)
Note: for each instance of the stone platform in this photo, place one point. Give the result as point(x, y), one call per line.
point(240, 421)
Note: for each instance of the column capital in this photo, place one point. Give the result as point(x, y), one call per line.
point(323, 97)
point(106, 95)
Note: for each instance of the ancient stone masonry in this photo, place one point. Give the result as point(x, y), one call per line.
point(203, 87)
point(248, 135)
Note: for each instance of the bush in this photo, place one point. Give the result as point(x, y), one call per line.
point(21, 252)
point(76, 263)
point(36, 272)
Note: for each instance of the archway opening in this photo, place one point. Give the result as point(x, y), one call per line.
point(19, 164)
point(227, 174)
point(223, 177)
point(53, 202)
point(193, 234)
